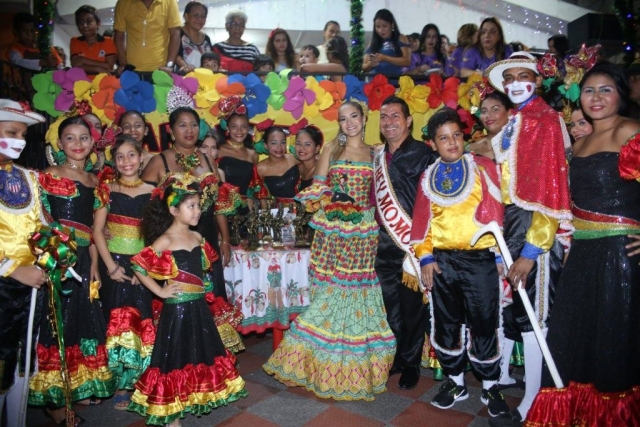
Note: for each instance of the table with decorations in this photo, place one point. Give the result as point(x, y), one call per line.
point(270, 287)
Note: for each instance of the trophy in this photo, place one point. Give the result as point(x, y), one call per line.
point(276, 225)
point(301, 224)
point(253, 226)
point(234, 229)
point(265, 224)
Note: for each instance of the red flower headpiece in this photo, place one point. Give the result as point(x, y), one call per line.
point(108, 138)
point(548, 65)
point(230, 105)
point(585, 58)
point(484, 88)
point(297, 127)
point(264, 125)
point(81, 108)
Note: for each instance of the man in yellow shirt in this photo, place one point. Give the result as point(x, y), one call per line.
point(152, 30)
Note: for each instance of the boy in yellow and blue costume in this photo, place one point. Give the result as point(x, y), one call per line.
point(456, 196)
point(21, 214)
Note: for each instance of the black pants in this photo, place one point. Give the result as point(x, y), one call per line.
point(542, 279)
point(408, 317)
point(15, 299)
point(466, 296)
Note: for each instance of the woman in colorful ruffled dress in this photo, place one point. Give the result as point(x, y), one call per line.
point(594, 335)
point(185, 126)
point(69, 195)
point(190, 369)
point(341, 347)
point(126, 304)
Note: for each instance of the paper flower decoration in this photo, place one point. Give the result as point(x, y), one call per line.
point(162, 84)
point(135, 94)
point(337, 91)
point(443, 93)
point(207, 94)
point(256, 95)
point(355, 88)
point(414, 95)
point(467, 119)
point(377, 90)
point(278, 84)
point(229, 86)
point(103, 99)
point(297, 96)
point(323, 99)
point(46, 93)
point(66, 79)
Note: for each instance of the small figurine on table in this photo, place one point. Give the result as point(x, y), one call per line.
point(253, 226)
point(276, 224)
point(234, 229)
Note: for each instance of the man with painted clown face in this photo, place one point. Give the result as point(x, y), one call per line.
point(20, 215)
point(530, 151)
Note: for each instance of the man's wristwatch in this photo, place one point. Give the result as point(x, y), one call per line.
point(170, 64)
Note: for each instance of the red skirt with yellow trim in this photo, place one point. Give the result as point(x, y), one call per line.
point(190, 369)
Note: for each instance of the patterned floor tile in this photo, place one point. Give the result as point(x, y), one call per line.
point(336, 417)
point(246, 419)
point(384, 408)
point(422, 413)
point(288, 409)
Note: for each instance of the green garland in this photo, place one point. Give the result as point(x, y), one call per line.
point(628, 21)
point(357, 38)
point(44, 12)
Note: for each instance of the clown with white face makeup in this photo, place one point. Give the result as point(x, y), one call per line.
point(530, 151)
point(20, 215)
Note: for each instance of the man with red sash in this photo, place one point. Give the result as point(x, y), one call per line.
point(397, 170)
point(530, 150)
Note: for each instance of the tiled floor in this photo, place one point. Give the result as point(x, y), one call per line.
point(271, 404)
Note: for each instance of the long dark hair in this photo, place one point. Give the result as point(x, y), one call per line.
point(376, 41)
point(75, 120)
point(423, 39)
point(156, 217)
point(289, 53)
point(619, 77)
point(337, 47)
point(500, 46)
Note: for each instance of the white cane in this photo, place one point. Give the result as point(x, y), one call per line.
point(494, 229)
point(22, 415)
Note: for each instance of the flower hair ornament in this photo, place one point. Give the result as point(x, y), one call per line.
point(576, 66)
point(228, 106)
point(478, 92)
point(184, 185)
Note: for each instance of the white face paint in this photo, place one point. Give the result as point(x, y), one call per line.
point(518, 92)
point(11, 147)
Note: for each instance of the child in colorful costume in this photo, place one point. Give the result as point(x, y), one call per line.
point(21, 213)
point(190, 369)
point(456, 196)
point(127, 305)
point(69, 194)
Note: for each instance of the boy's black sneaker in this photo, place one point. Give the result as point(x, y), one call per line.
point(494, 400)
point(449, 394)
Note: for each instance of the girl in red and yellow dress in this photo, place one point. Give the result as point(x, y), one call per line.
point(125, 302)
point(190, 369)
point(70, 194)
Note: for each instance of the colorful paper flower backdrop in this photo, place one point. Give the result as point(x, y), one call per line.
point(283, 99)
